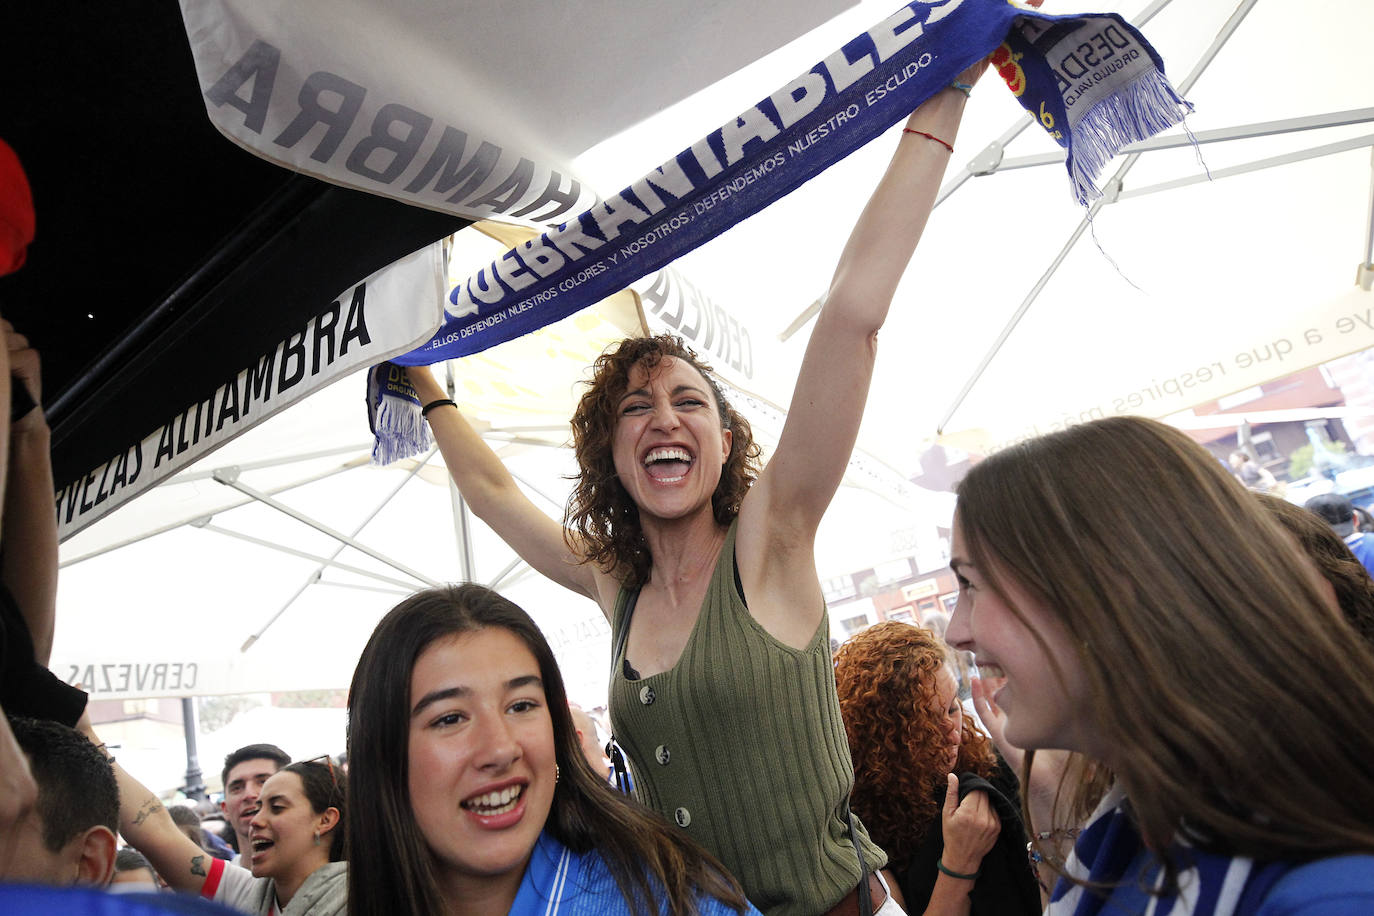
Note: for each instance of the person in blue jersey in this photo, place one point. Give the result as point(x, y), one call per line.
point(1136, 605)
point(471, 794)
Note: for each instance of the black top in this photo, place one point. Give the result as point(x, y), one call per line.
point(26, 687)
point(1006, 885)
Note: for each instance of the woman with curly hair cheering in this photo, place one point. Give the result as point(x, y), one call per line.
point(722, 691)
point(911, 745)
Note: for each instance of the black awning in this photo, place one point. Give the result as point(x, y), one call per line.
point(166, 257)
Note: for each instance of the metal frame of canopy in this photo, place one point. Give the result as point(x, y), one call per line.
point(992, 160)
point(621, 312)
point(229, 476)
point(624, 314)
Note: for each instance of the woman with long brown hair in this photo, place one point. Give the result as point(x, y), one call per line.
point(471, 794)
point(295, 864)
point(723, 694)
point(1146, 612)
point(909, 738)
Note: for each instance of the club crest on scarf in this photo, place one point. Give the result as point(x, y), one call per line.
point(393, 413)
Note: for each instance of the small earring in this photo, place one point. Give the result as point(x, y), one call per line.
point(556, 773)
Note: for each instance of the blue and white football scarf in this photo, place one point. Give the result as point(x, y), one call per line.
point(1091, 81)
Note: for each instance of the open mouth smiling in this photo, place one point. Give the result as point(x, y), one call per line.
point(668, 464)
point(500, 801)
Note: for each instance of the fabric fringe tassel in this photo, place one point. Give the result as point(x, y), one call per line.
point(393, 412)
point(1138, 110)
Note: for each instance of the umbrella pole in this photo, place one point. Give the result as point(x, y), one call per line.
point(461, 532)
point(1365, 274)
point(195, 779)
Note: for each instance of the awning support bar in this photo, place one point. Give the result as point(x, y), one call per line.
point(1110, 190)
point(319, 571)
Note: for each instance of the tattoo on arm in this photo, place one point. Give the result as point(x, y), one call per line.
point(149, 806)
point(198, 866)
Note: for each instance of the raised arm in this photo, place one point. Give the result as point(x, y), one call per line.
point(145, 823)
point(495, 497)
point(28, 565)
point(832, 387)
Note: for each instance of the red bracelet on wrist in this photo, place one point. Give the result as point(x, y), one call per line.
point(921, 133)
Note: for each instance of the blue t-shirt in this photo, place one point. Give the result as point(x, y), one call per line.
point(1362, 546)
point(35, 900)
point(1110, 851)
point(560, 882)
point(1339, 886)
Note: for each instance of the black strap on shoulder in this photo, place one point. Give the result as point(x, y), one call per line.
point(624, 635)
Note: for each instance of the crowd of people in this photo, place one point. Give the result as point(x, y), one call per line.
point(1174, 693)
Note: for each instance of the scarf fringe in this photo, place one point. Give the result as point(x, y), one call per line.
point(1138, 110)
point(401, 433)
point(399, 427)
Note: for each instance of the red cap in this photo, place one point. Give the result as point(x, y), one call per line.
point(16, 211)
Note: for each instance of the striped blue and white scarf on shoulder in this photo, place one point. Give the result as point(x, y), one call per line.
point(1110, 852)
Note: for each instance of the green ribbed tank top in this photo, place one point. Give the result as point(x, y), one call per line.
point(742, 745)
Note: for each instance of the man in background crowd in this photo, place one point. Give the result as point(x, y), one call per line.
point(68, 837)
point(1338, 512)
point(590, 739)
point(245, 770)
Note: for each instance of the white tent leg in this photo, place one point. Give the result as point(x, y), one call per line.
point(511, 567)
point(362, 447)
point(366, 588)
point(462, 533)
point(538, 492)
point(248, 643)
point(1365, 275)
point(1316, 152)
point(1220, 135)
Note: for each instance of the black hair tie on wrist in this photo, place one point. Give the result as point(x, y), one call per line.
point(940, 864)
point(424, 411)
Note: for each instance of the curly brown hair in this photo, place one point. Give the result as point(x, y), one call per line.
point(601, 520)
point(885, 677)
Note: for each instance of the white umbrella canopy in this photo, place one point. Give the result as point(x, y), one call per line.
point(190, 572)
point(217, 571)
point(191, 597)
point(1222, 268)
